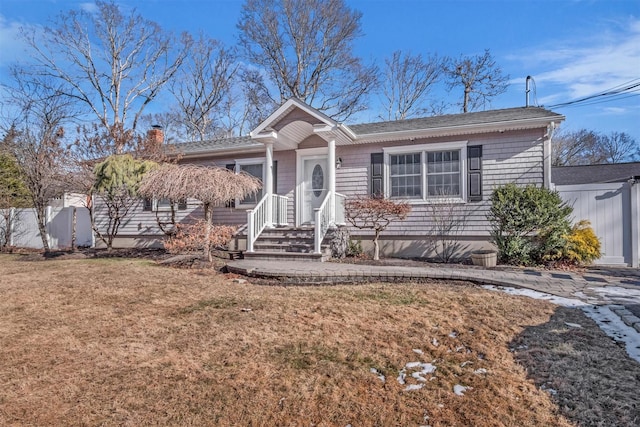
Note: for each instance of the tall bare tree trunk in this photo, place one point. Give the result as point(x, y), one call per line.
point(73, 229)
point(41, 214)
point(207, 231)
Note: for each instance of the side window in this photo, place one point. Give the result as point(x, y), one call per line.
point(257, 171)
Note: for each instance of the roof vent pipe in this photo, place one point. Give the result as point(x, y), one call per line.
point(527, 90)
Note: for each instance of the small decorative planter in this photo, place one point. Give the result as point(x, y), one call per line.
point(485, 258)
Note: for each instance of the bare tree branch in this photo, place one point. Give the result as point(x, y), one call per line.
point(305, 48)
point(479, 76)
point(408, 81)
point(113, 64)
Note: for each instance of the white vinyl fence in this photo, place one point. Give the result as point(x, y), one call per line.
point(614, 212)
point(24, 231)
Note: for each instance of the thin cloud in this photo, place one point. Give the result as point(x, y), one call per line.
point(11, 46)
point(90, 8)
point(579, 68)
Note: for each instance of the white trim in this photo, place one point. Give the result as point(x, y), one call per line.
point(422, 149)
point(247, 162)
point(284, 109)
point(508, 125)
point(441, 146)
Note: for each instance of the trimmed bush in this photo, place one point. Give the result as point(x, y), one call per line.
point(529, 225)
point(190, 238)
point(583, 246)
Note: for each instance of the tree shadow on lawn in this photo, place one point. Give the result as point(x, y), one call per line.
point(590, 376)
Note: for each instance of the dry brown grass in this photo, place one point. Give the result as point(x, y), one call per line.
point(127, 342)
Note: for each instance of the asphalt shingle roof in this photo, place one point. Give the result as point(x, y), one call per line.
point(591, 174)
point(196, 147)
point(436, 122)
point(453, 120)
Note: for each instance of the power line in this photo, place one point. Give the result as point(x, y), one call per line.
point(630, 86)
point(602, 101)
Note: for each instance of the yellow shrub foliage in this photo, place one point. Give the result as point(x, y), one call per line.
point(583, 246)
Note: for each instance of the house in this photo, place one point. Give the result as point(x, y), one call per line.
point(608, 196)
point(310, 164)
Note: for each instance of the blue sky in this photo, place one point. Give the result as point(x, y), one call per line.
point(572, 48)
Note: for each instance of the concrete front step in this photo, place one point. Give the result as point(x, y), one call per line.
point(288, 243)
point(286, 247)
point(285, 256)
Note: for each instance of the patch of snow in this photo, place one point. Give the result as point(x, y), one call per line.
point(613, 326)
point(417, 376)
point(453, 334)
point(463, 364)
point(379, 374)
point(565, 302)
point(480, 371)
point(460, 389)
point(401, 377)
point(551, 391)
point(418, 351)
point(412, 387)
point(424, 369)
point(573, 325)
point(616, 291)
point(607, 320)
point(434, 342)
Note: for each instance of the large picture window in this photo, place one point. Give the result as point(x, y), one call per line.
point(426, 172)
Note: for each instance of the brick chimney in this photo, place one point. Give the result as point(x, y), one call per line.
point(155, 136)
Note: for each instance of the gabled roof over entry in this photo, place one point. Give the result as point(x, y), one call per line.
point(295, 121)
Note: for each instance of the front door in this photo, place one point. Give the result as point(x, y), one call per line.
point(314, 186)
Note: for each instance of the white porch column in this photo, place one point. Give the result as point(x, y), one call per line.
point(268, 183)
point(331, 159)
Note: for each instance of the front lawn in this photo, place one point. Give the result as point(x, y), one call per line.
point(128, 342)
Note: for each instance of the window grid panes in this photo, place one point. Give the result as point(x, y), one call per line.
point(406, 175)
point(443, 173)
point(253, 170)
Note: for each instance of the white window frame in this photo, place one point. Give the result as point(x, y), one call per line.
point(156, 207)
point(423, 149)
point(246, 162)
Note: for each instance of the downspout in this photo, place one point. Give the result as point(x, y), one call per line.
point(634, 189)
point(546, 153)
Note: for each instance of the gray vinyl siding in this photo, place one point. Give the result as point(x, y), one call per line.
point(507, 157)
point(144, 223)
point(513, 156)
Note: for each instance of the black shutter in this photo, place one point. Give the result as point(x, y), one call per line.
point(275, 177)
point(377, 178)
point(182, 204)
point(147, 204)
point(474, 162)
point(230, 203)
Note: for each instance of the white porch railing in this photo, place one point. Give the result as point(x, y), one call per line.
point(341, 199)
point(330, 212)
point(258, 218)
point(279, 205)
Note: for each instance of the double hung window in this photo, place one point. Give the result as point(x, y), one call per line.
point(426, 172)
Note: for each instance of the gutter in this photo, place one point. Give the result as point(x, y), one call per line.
point(460, 129)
